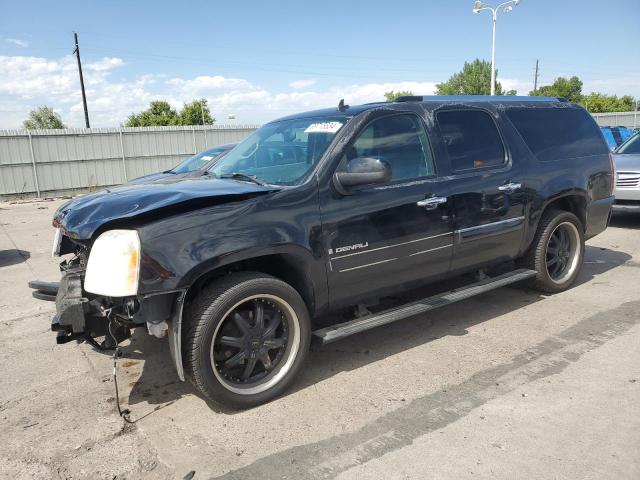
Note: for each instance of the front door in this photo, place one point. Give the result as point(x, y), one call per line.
point(487, 191)
point(382, 239)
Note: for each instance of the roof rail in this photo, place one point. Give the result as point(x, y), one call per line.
point(477, 98)
point(409, 98)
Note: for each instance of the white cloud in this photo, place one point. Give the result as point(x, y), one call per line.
point(17, 42)
point(205, 84)
point(107, 63)
point(614, 86)
point(521, 86)
point(299, 84)
point(27, 82)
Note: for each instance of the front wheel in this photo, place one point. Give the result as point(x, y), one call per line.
point(557, 251)
point(246, 337)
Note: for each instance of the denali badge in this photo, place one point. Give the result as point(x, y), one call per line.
point(356, 246)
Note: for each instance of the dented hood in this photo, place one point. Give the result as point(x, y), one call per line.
point(81, 217)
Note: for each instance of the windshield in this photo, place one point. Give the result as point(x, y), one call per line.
point(283, 152)
point(198, 161)
point(631, 146)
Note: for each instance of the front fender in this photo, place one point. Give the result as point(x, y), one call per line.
point(177, 251)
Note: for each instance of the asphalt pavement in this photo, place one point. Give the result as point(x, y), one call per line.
point(511, 384)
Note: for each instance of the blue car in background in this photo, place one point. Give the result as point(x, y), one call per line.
point(616, 136)
point(195, 166)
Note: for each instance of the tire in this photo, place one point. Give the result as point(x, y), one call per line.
point(224, 339)
point(555, 272)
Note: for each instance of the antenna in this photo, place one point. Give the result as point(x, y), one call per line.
point(341, 106)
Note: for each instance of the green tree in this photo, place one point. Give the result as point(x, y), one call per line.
point(600, 102)
point(43, 117)
point(392, 96)
point(158, 114)
point(196, 113)
point(570, 88)
point(473, 79)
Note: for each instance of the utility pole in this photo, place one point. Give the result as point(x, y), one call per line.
point(535, 79)
point(84, 96)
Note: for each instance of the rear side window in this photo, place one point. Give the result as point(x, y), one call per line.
point(558, 133)
point(471, 139)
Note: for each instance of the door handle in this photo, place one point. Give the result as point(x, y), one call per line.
point(431, 202)
point(510, 187)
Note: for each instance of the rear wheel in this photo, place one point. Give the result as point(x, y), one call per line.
point(557, 251)
point(247, 337)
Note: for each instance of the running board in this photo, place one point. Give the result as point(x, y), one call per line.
point(342, 330)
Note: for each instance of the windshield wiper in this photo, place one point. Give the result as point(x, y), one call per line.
point(244, 177)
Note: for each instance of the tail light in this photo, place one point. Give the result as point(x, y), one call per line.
point(612, 169)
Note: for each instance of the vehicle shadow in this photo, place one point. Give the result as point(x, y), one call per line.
point(625, 220)
point(159, 384)
point(13, 257)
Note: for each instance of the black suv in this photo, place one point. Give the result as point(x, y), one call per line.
point(320, 216)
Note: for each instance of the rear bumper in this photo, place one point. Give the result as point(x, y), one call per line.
point(598, 216)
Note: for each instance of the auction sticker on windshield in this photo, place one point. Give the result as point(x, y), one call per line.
point(325, 127)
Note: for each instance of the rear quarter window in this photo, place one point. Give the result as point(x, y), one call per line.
point(558, 133)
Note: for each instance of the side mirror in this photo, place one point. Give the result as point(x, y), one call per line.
point(363, 171)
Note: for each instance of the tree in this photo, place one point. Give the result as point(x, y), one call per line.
point(571, 89)
point(195, 112)
point(392, 96)
point(43, 117)
point(473, 79)
point(600, 102)
point(158, 114)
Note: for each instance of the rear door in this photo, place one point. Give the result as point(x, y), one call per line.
point(487, 188)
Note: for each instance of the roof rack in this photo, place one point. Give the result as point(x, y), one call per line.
point(477, 98)
point(409, 98)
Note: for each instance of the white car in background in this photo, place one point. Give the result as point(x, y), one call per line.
point(626, 159)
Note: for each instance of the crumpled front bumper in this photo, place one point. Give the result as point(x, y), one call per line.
point(75, 316)
point(80, 318)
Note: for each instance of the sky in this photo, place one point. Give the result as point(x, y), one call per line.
point(261, 60)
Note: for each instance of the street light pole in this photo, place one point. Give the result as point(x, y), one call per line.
point(493, 56)
point(506, 7)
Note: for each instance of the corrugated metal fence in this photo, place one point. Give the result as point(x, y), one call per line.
point(46, 162)
point(617, 119)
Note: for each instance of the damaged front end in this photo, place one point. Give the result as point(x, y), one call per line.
point(80, 316)
point(102, 320)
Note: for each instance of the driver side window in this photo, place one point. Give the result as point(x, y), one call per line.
point(401, 141)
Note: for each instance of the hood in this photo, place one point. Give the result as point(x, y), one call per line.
point(81, 217)
point(168, 176)
point(627, 162)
